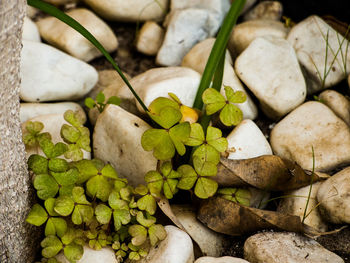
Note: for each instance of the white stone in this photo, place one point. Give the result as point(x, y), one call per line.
point(60, 2)
point(295, 203)
point(197, 59)
point(333, 197)
point(220, 260)
point(188, 23)
point(277, 247)
point(177, 247)
point(248, 4)
point(244, 33)
point(247, 141)
point(338, 103)
point(117, 140)
point(312, 124)
point(210, 242)
point(30, 30)
point(270, 10)
point(277, 83)
point(31, 110)
point(309, 39)
point(52, 124)
point(158, 82)
point(67, 39)
point(105, 255)
point(49, 74)
point(150, 38)
point(130, 11)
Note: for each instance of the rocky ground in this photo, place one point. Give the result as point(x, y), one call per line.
point(280, 68)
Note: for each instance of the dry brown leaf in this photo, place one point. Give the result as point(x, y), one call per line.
point(230, 218)
point(267, 172)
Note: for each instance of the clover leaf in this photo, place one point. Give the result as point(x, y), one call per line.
point(37, 215)
point(136, 252)
point(237, 195)
point(163, 142)
point(210, 146)
point(165, 182)
point(230, 114)
point(46, 186)
point(204, 187)
point(100, 101)
point(156, 233)
point(32, 135)
point(73, 252)
point(145, 221)
point(138, 234)
point(100, 184)
point(51, 246)
point(147, 202)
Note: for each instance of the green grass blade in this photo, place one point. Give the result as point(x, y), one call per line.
point(310, 189)
point(218, 49)
point(51, 10)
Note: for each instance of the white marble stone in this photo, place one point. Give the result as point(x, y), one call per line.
point(268, 10)
point(150, 38)
point(30, 30)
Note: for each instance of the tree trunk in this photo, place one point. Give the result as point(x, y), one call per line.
point(17, 242)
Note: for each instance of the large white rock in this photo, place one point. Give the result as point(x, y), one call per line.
point(310, 39)
point(158, 82)
point(333, 197)
point(31, 110)
point(30, 30)
point(295, 204)
point(52, 124)
point(67, 39)
point(244, 33)
point(247, 141)
point(177, 247)
point(275, 247)
point(117, 140)
point(129, 11)
point(312, 124)
point(277, 83)
point(188, 23)
point(269, 10)
point(210, 242)
point(105, 255)
point(220, 260)
point(49, 74)
point(338, 103)
point(150, 38)
point(197, 59)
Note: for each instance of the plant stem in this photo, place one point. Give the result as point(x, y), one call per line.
point(51, 10)
point(218, 49)
point(312, 178)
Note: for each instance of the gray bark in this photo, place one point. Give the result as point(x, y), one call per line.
point(17, 242)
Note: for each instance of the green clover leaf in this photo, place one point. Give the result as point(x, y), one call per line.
point(64, 205)
point(237, 195)
point(32, 135)
point(73, 252)
point(103, 214)
point(114, 100)
point(156, 233)
point(90, 103)
point(37, 215)
point(147, 202)
point(74, 118)
point(121, 214)
point(46, 186)
point(52, 150)
point(138, 234)
point(83, 212)
point(38, 164)
point(55, 226)
point(230, 114)
point(145, 221)
point(51, 246)
point(100, 98)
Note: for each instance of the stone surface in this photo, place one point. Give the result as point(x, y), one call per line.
point(309, 39)
point(312, 124)
point(295, 204)
point(67, 39)
point(197, 58)
point(220, 260)
point(210, 242)
point(274, 247)
point(338, 103)
point(177, 247)
point(334, 199)
point(117, 140)
point(247, 141)
point(52, 124)
point(31, 110)
point(129, 11)
point(188, 23)
point(49, 74)
point(158, 82)
point(105, 255)
point(244, 33)
point(277, 83)
point(61, 2)
point(31, 11)
point(150, 38)
point(248, 4)
point(30, 30)
point(269, 10)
